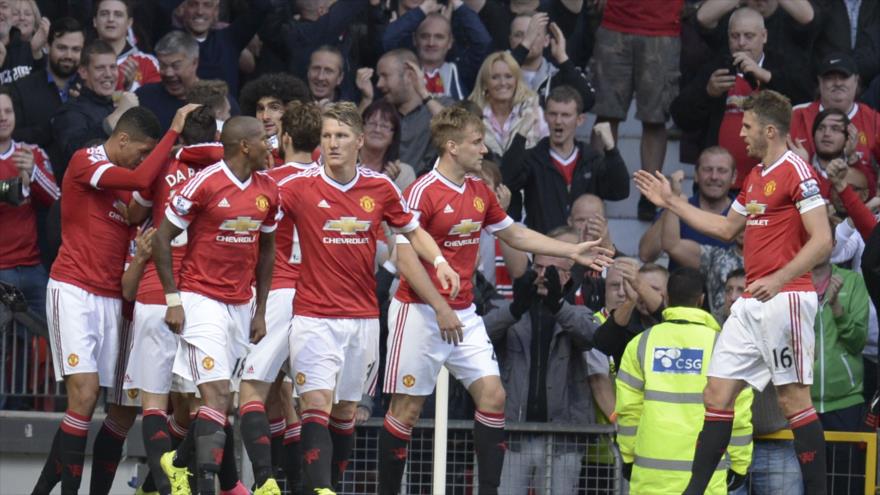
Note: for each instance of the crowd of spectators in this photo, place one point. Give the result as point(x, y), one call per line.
point(531, 69)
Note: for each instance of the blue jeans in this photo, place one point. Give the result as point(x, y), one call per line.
point(774, 470)
point(31, 280)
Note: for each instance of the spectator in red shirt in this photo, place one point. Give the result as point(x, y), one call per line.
point(112, 21)
point(838, 83)
point(637, 50)
point(712, 101)
point(19, 255)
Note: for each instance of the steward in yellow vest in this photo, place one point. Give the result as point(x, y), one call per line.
point(660, 410)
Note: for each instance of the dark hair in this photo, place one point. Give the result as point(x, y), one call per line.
point(279, 85)
point(302, 121)
point(565, 94)
point(771, 108)
point(212, 93)
point(126, 3)
point(94, 48)
point(737, 273)
point(139, 123)
point(386, 110)
point(684, 287)
point(62, 26)
point(200, 127)
point(824, 114)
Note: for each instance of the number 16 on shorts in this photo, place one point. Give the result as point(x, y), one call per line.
point(782, 359)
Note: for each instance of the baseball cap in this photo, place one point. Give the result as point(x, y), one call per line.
point(838, 62)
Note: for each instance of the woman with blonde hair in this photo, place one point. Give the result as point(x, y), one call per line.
point(509, 106)
point(33, 27)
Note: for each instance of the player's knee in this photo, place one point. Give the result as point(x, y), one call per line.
point(316, 399)
point(407, 409)
point(716, 397)
point(82, 395)
point(793, 399)
point(344, 410)
point(493, 398)
point(215, 395)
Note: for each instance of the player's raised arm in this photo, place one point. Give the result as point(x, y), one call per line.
point(658, 190)
point(129, 140)
point(427, 249)
point(589, 254)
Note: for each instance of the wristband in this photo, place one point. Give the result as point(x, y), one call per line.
point(428, 98)
point(173, 299)
point(439, 259)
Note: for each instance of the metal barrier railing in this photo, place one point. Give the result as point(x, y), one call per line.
point(542, 458)
point(27, 380)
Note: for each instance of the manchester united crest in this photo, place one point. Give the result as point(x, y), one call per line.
point(367, 204)
point(300, 379)
point(208, 363)
point(262, 203)
point(479, 205)
point(132, 393)
point(73, 360)
point(409, 381)
point(770, 188)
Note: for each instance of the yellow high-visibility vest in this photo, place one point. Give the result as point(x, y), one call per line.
point(660, 405)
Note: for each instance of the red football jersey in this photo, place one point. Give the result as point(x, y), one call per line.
point(773, 199)
point(338, 225)
point(866, 120)
point(223, 217)
point(454, 216)
point(646, 18)
point(19, 246)
point(288, 255)
point(147, 69)
point(185, 164)
point(94, 234)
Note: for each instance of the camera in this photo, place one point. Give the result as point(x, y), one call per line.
point(734, 69)
point(10, 191)
point(731, 66)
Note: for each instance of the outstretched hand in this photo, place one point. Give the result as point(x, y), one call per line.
point(592, 255)
point(655, 187)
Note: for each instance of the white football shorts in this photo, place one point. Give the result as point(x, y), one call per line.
point(416, 350)
point(340, 354)
point(151, 362)
point(214, 341)
point(772, 341)
point(84, 331)
point(272, 352)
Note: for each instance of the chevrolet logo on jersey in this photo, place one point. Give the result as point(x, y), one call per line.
point(465, 228)
point(347, 225)
point(755, 208)
point(241, 225)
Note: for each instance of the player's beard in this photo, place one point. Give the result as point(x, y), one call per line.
point(757, 148)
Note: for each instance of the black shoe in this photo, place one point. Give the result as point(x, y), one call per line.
point(647, 211)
